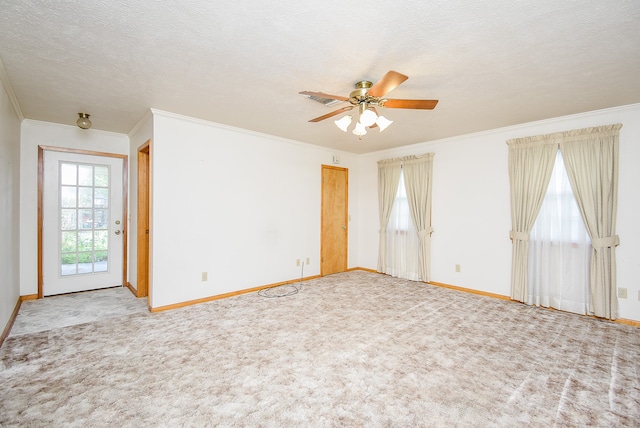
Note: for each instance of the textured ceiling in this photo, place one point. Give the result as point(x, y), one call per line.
point(242, 63)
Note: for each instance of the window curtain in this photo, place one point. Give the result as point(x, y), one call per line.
point(531, 162)
point(418, 177)
point(591, 159)
point(402, 238)
point(388, 179)
point(559, 249)
point(418, 182)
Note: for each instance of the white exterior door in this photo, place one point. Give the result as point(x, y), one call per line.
point(82, 224)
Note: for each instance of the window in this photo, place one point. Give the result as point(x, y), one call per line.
point(84, 216)
point(559, 249)
point(402, 238)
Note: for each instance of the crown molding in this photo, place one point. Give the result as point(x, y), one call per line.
point(4, 78)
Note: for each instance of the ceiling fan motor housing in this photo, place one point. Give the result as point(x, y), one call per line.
point(361, 94)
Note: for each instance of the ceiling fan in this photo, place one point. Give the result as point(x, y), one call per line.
point(366, 97)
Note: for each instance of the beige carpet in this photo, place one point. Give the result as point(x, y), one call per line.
point(76, 308)
point(355, 349)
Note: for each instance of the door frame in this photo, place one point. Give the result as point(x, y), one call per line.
point(143, 285)
point(125, 186)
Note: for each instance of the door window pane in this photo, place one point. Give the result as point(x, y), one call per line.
point(101, 176)
point(68, 174)
point(85, 197)
point(101, 199)
point(100, 241)
point(85, 175)
point(84, 218)
point(100, 219)
point(69, 264)
point(68, 219)
point(68, 197)
point(69, 242)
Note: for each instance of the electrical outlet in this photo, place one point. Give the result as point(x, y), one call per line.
point(297, 262)
point(622, 292)
point(205, 276)
point(307, 260)
point(457, 268)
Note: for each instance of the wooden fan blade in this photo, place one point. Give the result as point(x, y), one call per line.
point(333, 113)
point(389, 82)
point(417, 104)
point(323, 95)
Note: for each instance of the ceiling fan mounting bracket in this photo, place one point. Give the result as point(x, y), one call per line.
point(364, 84)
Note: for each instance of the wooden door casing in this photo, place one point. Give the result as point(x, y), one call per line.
point(142, 288)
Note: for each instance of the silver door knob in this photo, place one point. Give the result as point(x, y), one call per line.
point(117, 232)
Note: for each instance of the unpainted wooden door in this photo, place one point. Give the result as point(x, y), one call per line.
point(335, 226)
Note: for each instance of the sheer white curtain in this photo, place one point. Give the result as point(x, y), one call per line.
point(559, 249)
point(388, 177)
point(402, 259)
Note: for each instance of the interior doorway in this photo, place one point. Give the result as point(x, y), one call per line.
point(334, 223)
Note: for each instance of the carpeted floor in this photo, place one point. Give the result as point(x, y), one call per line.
point(76, 308)
point(354, 349)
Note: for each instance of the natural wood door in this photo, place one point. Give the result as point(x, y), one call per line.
point(335, 226)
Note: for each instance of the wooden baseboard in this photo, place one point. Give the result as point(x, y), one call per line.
point(364, 269)
point(470, 290)
point(501, 297)
point(12, 318)
point(133, 290)
point(28, 297)
point(437, 284)
point(627, 322)
point(223, 296)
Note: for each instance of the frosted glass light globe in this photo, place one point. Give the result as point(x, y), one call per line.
point(368, 117)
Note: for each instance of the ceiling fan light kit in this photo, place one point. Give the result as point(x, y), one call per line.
point(359, 130)
point(368, 117)
point(367, 97)
point(344, 122)
point(383, 123)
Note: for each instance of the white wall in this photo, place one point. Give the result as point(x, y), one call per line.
point(239, 205)
point(34, 134)
point(9, 207)
point(243, 206)
point(471, 204)
point(141, 133)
